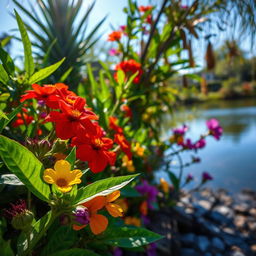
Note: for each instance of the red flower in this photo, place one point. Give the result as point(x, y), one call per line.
point(113, 125)
point(149, 19)
point(124, 144)
point(94, 150)
point(127, 110)
point(130, 67)
point(73, 120)
point(115, 36)
point(50, 94)
point(145, 8)
point(22, 119)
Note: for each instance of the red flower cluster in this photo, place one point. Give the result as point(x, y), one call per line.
point(130, 67)
point(74, 120)
point(22, 118)
point(119, 137)
point(145, 8)
point(115, 36)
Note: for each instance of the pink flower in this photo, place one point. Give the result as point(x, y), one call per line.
point(189, 178)
point(200, 144)
point(113, 52)
point(214, 128)
point(180, 131)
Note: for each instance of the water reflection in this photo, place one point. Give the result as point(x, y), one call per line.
point(232, 160)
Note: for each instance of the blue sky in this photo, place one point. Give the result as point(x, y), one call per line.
point(112, 8)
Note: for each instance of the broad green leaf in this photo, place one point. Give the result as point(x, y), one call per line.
point(129, 237)
point(4, 96)
point(45, 72)
point(7, 61)
point(71, 158)
point(3, 115)
point(23, 163)
point(4, 78)
point(29, 62)
point(65, 75)
point(75, 252)
point(10, 179)
point(175, 180)
point(5, 122)
point(120, 76)
point(62, 238)
point(5, 41)
point(35, 235)
point(102, 188)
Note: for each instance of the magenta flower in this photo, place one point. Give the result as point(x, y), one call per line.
point(187, 144)
point(113, 52)
point(214, 128)
point(200, 144)
point(180, 131)
point(117, 252)
point(149, 191)
point(151, 250)
point(196, 159)
point(206, 177)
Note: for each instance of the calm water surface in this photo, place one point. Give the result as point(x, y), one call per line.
point(232, 160)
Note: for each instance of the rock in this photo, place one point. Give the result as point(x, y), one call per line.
point(199, 210)
point(237, 254)
point(188, 239)
point(203, 243)
point(242, 208)
point(208, 254)
point(188, 252)
point(252, 212)
point(224, 210)
point(219, 218)
point(240, 221)
point(218, 244)
point(233, 240)
point(252, 226)
point(205, 204)
point(208, 227)
point(253, 248)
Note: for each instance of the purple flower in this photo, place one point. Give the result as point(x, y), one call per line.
point(117, 252)
point(43, 115)
point(196, 159)
point(41, 103)
point(200, 144)
point(151, 250)
point(180, 131)
point(214, 128)
point(206, 177)
point(189, 178)
point(82, 215)
point(145, 220)
point(149, 191)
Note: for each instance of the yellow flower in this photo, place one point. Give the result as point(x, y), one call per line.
point(114, 210)
point(123, 203)
point(128, 163)
point(132, 221)
point(164, 185)
point(62, 176)
point(139, 150)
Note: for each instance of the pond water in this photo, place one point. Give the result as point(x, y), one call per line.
point(232, 160)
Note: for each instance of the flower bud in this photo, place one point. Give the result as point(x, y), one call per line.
point(23, 220)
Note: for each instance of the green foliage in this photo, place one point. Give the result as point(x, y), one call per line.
point(102, 188)
point(129, 237)
point(21, 162)
point(71, 158)
point(75, 252)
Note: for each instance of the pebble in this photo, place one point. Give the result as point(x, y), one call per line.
point(188, 239)
point(203, 243)
point(188, 252)
point(218, 244)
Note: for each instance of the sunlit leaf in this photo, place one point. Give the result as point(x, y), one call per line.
point(10, 179)
point(22, 162)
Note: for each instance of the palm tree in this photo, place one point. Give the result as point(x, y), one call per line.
point(59, 33)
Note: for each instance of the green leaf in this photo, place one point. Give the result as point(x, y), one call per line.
point(3, 115)
point(45, 72)
point(5, 122)
point(175, 181)
point(4, 78)
point(130, 192)
point(75, 252)
point(102, 188)
point(62, 238)
point(5, 41)
point(22, 162)
point(92, 80)
point(129, 237)
point(71, 158)
point(10, 179)
point(29, 62)
point(7, 61)
point(120, 76)
point(65, 75)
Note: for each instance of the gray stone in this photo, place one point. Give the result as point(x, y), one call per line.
point(208, 226)
point(208, 254)
point(205, 204)
point(188, 239)
point(218, 244)
point(203, 243)
point(188, 252)
point(237, 254)
point(224, 210)
point(219, 218)
point(199, 210)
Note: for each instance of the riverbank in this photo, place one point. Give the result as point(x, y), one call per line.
point(208, 223)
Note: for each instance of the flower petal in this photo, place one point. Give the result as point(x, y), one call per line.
point(98, 223)
point(62, 166)
point(113, 196)
point(77, 227)
point(65, 189)
point(95, 204)
point(75, 176)
point(49, 176)
point(114, 210)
